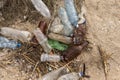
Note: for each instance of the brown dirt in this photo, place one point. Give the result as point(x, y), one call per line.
point(103, 21)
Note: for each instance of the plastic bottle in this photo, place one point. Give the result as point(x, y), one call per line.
point(79, 34)
point(54, 74)
point(41, 7)
point(57, 45)
point(72, 52)
point(50, 58)
point(61, 38)
point(67, 29)
point(42, 39)
point(71, 76)
point(15, 34)
point(5, 43)
point(71, 12)
point(43, 26)
point(56, 26)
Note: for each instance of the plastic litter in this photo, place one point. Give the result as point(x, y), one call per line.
point(50, 58)
point(5, 43)
point(41, 7)
point(71, 76)
point(72, 52)
point(43, 26)
point(75, 75)
point(61, 38)
point(57, 45)
point(15, 34)
point(81, 15)
point(56, 21)
point(54, 74)
point(71, 12)
point(67, 29)
point(59, 29)
point(79, 34)
point(42, 39)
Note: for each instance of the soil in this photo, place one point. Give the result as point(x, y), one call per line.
point(102, 55)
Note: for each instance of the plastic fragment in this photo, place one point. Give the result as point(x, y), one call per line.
point(41, 7)
point(57, 45)
point(81, 15)
point(71, 12)
point(5, 43)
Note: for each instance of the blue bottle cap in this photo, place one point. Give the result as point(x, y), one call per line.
point(19, 45)
point(81, 74)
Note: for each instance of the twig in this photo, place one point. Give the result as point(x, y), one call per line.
point(35, 68)
point(104, 61)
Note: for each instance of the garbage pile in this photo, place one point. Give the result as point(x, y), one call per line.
point(62, 42)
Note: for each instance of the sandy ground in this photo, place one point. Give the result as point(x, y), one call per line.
point(103, 21)
point(103, 29)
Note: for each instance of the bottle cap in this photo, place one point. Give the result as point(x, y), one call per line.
point(81, 74)
point(18, 45)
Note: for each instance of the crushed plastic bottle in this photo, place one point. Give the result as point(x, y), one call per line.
point(50, 58)
point(42, 39)
point(54, 74)
point(5, 43)
point(72, 52)
point(15, 34)
point(71, 12)
point(67, 29)
point(56, 26)
point(57, 45)
point(61, 38)
point(56, 21)
point(41, 7)
point(71, 76)
point(59, 29)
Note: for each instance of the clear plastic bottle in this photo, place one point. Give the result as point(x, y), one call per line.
point(59, 29)
point(41, 7)
point(50, 58)
point(42, 39)
point(5, 43)
point(67, 29)
point(15, 34)
point(61, 38)
point(54, 74)
point(71, 76)
point(71, 12)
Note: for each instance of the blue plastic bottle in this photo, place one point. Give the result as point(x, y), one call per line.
point(68, 29)
point(71, 12)
point(5, 43)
